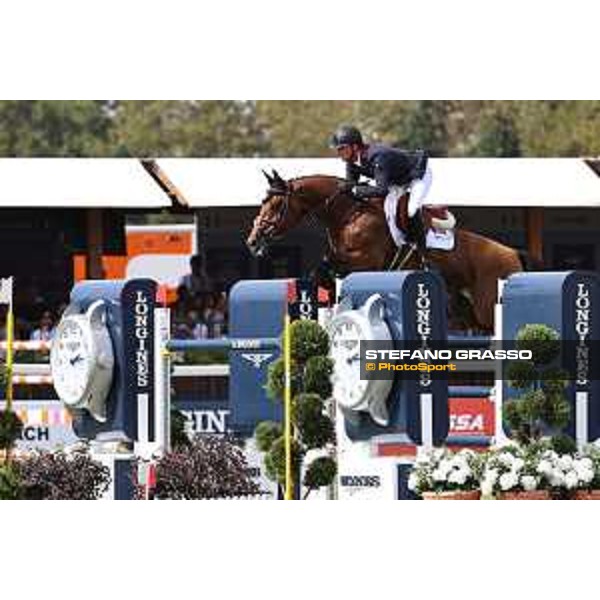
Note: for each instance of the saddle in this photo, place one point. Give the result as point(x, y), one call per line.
point(437, 218)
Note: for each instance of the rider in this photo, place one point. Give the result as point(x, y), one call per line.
point(393, 170)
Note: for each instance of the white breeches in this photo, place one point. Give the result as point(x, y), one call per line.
point(419, 188)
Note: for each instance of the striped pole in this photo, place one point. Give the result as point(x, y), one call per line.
point(287, 393)
point(28, 345)
point(10, 325)
point(30, 380)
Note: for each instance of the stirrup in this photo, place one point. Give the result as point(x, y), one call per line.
point(421, 254)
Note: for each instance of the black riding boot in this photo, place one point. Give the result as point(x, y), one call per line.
point(416, 233)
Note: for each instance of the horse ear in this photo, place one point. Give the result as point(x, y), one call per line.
point(278, 181)
point(269, 178)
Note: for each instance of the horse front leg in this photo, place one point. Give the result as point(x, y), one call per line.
point(484, 302)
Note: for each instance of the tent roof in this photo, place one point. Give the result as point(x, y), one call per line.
point(124, 183)
point(491, 182)
point(78, 182)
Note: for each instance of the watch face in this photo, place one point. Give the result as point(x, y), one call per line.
point(71, 361)
point(348, 388)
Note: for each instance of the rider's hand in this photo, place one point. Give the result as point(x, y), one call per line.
point(358, 192)
point(346, 187)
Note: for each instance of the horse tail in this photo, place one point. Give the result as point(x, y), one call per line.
point(530, 263)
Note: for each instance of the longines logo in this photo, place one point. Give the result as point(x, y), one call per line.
point(305, 307)
point(423, 312)
point(423, 317)
point(141, 334)
point(582, 328)
point(258, 358)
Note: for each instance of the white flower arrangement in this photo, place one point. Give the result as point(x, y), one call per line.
point(440, 470)
point(515, 468)
point(564, 471)
point(509, 469)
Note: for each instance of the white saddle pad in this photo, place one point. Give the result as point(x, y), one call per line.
point(438, 239)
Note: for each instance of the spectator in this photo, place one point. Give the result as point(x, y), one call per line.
point(181, 331)
point(46, 329)
point(197, 282)
point(214, 315)
point(197, 325)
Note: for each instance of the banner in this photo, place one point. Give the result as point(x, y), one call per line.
point(6, 286)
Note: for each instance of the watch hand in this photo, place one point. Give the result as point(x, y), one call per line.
point(77, 359)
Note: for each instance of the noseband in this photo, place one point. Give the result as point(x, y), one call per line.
point(273, 224)
point(287, 193)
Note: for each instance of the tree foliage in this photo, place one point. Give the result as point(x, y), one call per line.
point(204, 128)
point(11, 427)
point(55, 128)
point(178, 128)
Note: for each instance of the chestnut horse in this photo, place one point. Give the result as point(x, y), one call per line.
point(359, 240)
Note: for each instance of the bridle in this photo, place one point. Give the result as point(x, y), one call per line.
point(274, 223)
point(268, 227)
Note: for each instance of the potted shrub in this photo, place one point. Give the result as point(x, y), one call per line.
point(313, 429)
point(61, 476)
point(209, 467)
point(542, 408)
point(10, 431)
point(440, 474)
point(10, 487)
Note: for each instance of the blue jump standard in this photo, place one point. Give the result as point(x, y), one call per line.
point(225, 344)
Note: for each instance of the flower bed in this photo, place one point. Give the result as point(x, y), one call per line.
point(442, 475)
point(513, 472)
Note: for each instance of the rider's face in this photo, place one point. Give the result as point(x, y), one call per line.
point(347, 153)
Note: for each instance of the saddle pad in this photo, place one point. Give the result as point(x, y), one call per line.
point(438, 239)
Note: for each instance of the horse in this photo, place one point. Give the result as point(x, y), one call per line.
point(359, 240)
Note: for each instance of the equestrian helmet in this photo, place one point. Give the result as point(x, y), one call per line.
point(346, 135)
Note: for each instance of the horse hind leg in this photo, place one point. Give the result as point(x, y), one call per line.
point(461, 314)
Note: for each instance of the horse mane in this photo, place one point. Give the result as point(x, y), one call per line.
point(308, 177)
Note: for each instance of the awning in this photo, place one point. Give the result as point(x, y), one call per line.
point(489, 182)
point(78, 182)
point(524, 182)
point(237, 181)
point(124, 183)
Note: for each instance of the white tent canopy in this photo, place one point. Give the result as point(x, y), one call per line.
point(548, 182)
point(124, 183)
point(492, 182)
point(78, 182)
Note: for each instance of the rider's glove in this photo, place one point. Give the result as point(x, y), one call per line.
point(346, 187)
point(362, 192)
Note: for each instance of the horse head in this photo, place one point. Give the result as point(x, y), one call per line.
point(282, 208)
